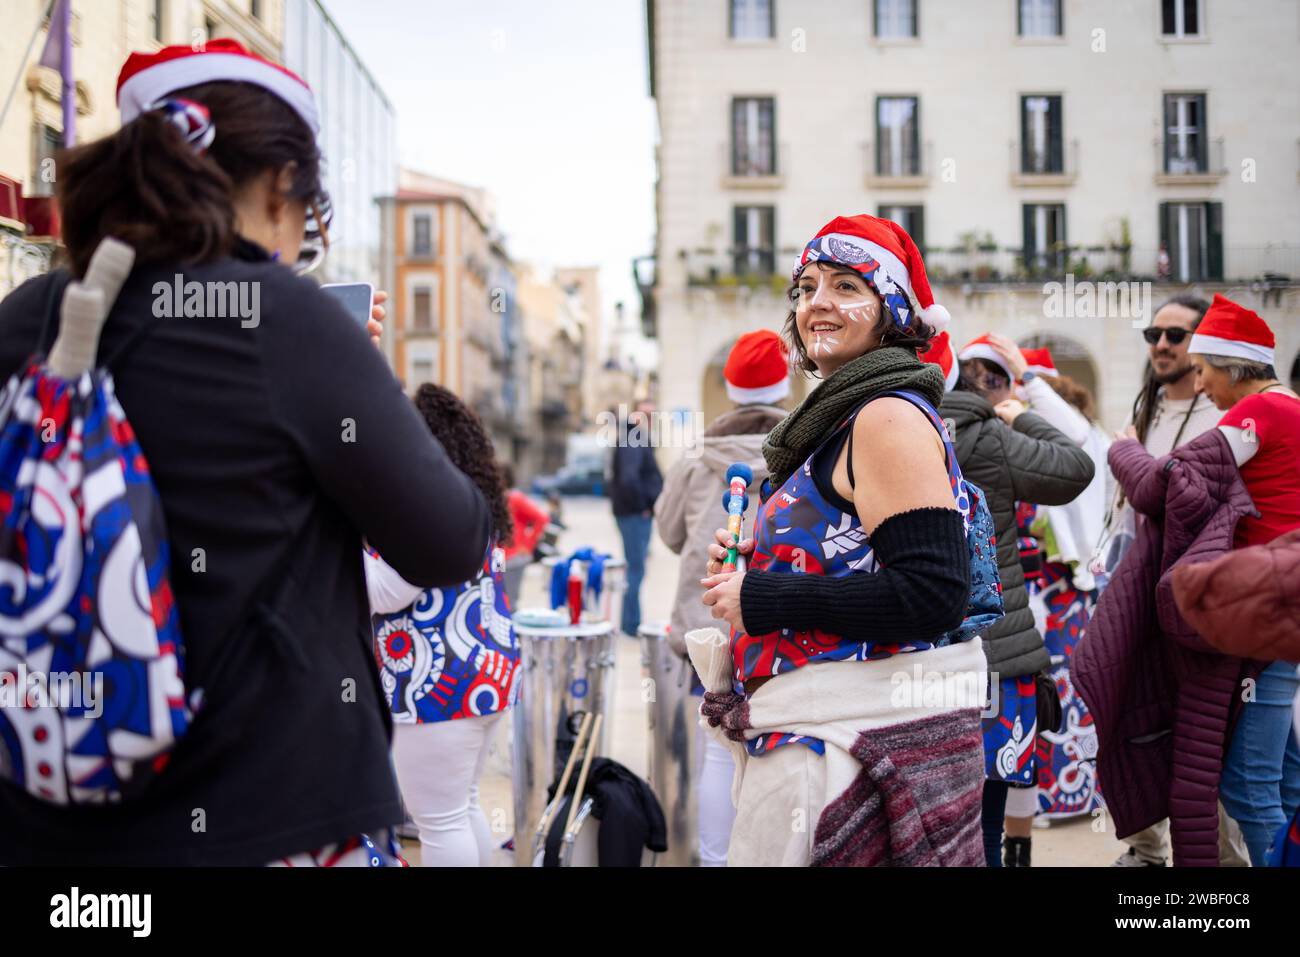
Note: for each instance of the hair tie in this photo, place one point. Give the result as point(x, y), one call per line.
point(191, 118)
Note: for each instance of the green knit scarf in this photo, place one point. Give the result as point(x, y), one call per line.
point(880, 370)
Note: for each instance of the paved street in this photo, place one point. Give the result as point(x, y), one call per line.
point(590, 522)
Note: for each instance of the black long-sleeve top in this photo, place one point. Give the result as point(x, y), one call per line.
point(275, 447)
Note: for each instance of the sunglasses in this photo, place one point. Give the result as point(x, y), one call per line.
point(1175, 335)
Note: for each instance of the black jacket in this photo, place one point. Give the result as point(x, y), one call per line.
point(274, 449)
point(1030, 462)
point(629, 814)
point(635, 480)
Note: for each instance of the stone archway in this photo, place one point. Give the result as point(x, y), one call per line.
point(1072, 358)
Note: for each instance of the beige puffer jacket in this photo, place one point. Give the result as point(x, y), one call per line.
point(689, 510)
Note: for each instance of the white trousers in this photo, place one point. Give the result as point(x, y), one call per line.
point(438, 766)
point(717, 813)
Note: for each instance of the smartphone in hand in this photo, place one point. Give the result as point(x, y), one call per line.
point(358, 298)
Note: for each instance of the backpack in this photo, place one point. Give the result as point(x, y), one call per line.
point(92, 696)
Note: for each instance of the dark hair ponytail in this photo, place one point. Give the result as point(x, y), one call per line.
point(148, 187)
point(467, 444)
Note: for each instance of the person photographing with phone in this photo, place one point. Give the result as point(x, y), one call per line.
point(270, 467)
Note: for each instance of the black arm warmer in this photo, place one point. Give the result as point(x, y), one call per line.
point(920, 591)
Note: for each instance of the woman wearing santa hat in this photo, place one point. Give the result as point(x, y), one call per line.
point(861, 569)
point(1233, 351)
point(272, 440)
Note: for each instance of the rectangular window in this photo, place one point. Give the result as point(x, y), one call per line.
point(1180, 18)
point(754, 240)
point(911, 218)
point(753, 19)
point(1041, 148)
point(422, 240)
point(895, 19)
point(1186, 144)
point(1044, 226)
point(421, 372)
point(422, 309)
point(753, 140)
point(1192, 236)
point(897, 148)
point(255, 8)
point(1039, 18)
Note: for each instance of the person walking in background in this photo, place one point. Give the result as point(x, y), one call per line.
point(758, 376)
point(529, 520)
point(1014, 455)
point(1233, 351)
point(634, 485)
point(447, 659)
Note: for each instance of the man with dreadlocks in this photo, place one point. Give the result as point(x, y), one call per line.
point(1167, 413)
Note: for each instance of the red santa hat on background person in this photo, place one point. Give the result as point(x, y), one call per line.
point(981, 347)
point(1040, 361)
point(940, 354)
point(147, 78)
point(883, 252)
point(758, 369)
point(1234, 331)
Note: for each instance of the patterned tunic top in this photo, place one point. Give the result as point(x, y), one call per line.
point(452, 654)
point(797, 530)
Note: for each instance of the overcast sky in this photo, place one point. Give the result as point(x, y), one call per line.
point(545, 104)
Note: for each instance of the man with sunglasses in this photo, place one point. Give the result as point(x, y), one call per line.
point(1167, 413)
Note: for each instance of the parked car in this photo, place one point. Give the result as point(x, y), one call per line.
point(582, 477)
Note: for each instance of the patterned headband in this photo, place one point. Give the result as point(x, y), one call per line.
point(191, 118)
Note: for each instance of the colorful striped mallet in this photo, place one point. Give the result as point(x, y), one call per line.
point(736, 501)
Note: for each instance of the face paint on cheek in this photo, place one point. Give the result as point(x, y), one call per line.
point(855, 311)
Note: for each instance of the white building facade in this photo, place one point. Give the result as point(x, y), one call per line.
point(1022, 142)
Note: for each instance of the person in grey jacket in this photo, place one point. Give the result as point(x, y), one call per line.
point(688, 512)
point(1013, 455)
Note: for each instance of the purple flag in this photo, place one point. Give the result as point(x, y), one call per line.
point(57, 55)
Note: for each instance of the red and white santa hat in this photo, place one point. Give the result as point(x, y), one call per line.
point(1040, 361)
point(147, 78)
point(981, 347)
point(883, 252)
point(758, 369)
point(940, 353)
point(1232, 330)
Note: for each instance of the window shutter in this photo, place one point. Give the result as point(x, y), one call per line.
point(1202, 134)
point(1027, 217)
point(1025, 166)
point(1167, 227)
point(1170, 113)
point(737, 136)
point(1020, 18)
point(915, 165)
point(916, 227)
point(1214, 227)
point(1055, 147)
point(875, 18)
point(771, 18)
point(1060, 19)
point(740, 238)
point(916, 18)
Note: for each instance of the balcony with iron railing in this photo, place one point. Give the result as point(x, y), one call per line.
point(1273, 265)
point(1203, 164)
point(909, 168)
point(743, 167)
point(1046, 167)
